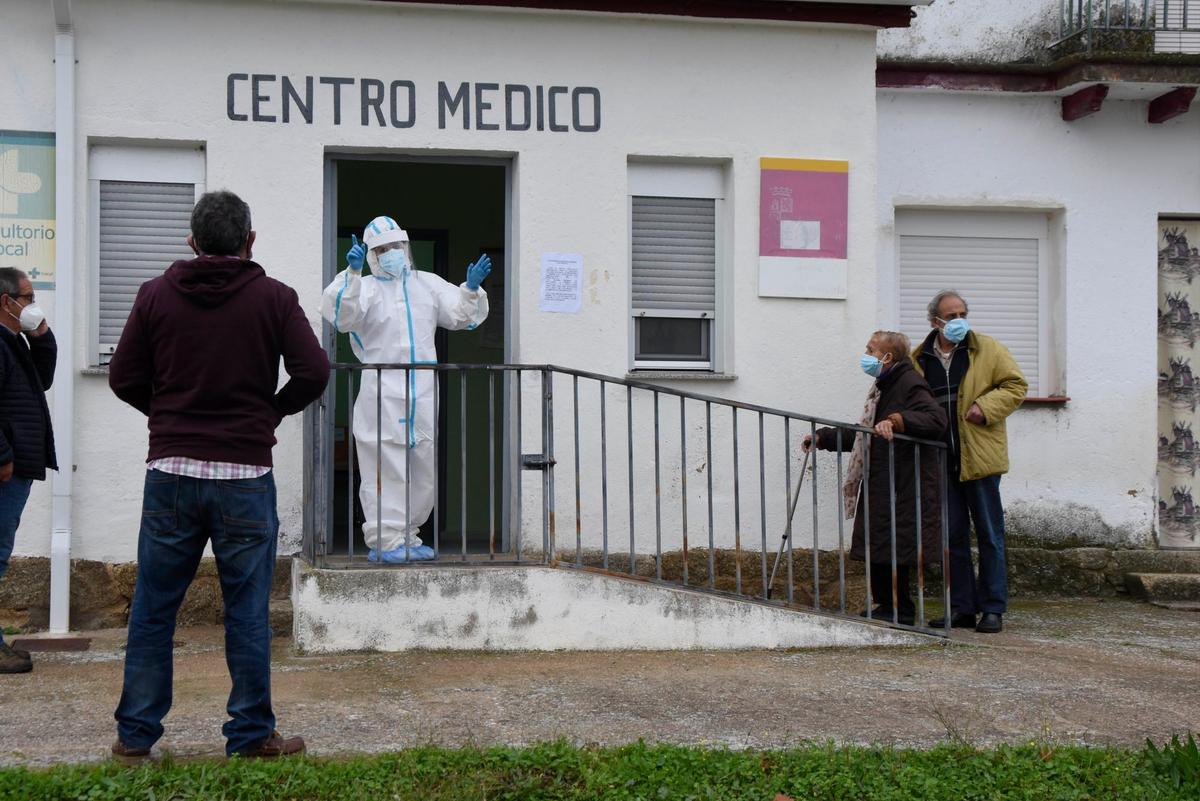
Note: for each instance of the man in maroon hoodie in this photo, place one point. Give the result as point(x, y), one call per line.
point(200, 357)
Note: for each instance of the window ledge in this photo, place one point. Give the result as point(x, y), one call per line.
point(1052, 400)
point(679, 375)
point(102, 370)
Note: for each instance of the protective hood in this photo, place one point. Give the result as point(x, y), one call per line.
point(211, 280)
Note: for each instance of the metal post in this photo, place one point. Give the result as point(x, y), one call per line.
point(578, 507)
point(816, 552)
point(891, 446)
point(708, 468)
point(762, 504)
point(549, 549)
point(841, 518)
point(351, 455)
point(437, 506)
point(629, 434)
point(787, 500)
point(408, 442)
point(657, 499)
point(943, 463)
point(683, 480)
point(866, 495)
point(462, 458)
point(737, 509)
point(604, 471)
point(920, 537)
point(520, 469)
point(379, 464)
point(491, 465)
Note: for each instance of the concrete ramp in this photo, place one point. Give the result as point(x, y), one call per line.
point(536, 608)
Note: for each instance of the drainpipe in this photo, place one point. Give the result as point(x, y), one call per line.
point(64, 310)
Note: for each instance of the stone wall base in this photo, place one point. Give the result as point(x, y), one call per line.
point(102, 592)
point(1098, 572)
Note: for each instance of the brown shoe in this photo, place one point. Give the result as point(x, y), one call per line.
point(129, 756)
point(275, 746)
point(12, 661)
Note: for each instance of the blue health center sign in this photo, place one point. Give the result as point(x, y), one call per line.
point(27, 204)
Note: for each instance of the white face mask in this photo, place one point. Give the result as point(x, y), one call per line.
point(31, 317)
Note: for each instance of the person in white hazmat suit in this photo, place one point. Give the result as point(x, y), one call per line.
point(391, 316)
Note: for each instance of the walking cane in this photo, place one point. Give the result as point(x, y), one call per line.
point(787, 531)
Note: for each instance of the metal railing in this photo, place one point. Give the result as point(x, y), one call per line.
point(1116, 22)
point(648, 467)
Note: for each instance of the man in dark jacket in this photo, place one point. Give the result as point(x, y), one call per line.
point(200, 357)
point(27, 361)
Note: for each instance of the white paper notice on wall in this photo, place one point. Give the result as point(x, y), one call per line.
point(562, 283)
point(800, 234)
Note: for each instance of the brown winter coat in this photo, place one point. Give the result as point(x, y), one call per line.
point(906, 399)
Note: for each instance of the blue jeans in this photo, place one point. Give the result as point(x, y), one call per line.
point(179, 515)
point(13, 495)
point(980, 501)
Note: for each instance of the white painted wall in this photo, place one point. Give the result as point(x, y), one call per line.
point(975, 30)
point(156, 73)
point(1087, 468)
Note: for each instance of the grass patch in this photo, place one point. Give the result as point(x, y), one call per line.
point(559, 770)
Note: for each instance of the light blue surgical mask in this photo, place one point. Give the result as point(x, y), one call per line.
point(870, 365)
point(393, 262)
point(956, 330)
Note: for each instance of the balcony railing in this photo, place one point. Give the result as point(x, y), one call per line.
point(1145, 26)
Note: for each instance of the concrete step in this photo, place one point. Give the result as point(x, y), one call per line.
point(1175, 590)
point(540, 608)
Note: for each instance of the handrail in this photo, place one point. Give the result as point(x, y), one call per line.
point(615, 380)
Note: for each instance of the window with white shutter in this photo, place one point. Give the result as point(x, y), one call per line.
point(142, 201)
point(674, 255)
point(997, 262)
point(143, 229)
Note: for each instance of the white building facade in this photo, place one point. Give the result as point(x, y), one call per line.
point(533, 133)
point(520, 132)
point(1055, 228)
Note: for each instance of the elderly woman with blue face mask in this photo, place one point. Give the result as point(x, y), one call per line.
point(899, 402)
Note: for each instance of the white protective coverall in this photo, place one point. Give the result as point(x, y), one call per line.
point(385, 317)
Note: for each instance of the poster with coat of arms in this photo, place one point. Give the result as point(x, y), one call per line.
point(1178, 390)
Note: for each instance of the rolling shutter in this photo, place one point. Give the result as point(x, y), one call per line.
point(674, 255)
point(997, 275)
point(143, 229)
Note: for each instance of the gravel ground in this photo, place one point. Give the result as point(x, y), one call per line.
point(1071, 671)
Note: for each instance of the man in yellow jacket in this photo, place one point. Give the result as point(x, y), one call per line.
point(978, 382)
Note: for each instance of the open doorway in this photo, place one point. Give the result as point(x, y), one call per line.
point(452, 212)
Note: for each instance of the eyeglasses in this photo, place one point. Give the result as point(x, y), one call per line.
point(28, 295)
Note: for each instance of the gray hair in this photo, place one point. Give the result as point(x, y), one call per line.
point(936, 303)
point(10, 281)
point(892, 342)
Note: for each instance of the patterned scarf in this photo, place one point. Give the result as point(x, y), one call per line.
point(854, 473)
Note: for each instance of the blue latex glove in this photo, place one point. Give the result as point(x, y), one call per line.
point(478, 271)
point(356, 255)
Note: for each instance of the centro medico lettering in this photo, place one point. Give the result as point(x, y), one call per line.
point(267, 97)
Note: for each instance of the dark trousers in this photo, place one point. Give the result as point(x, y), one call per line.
point(179, 515)
point(977, 502)
point(13, 495)
point(881, 588)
